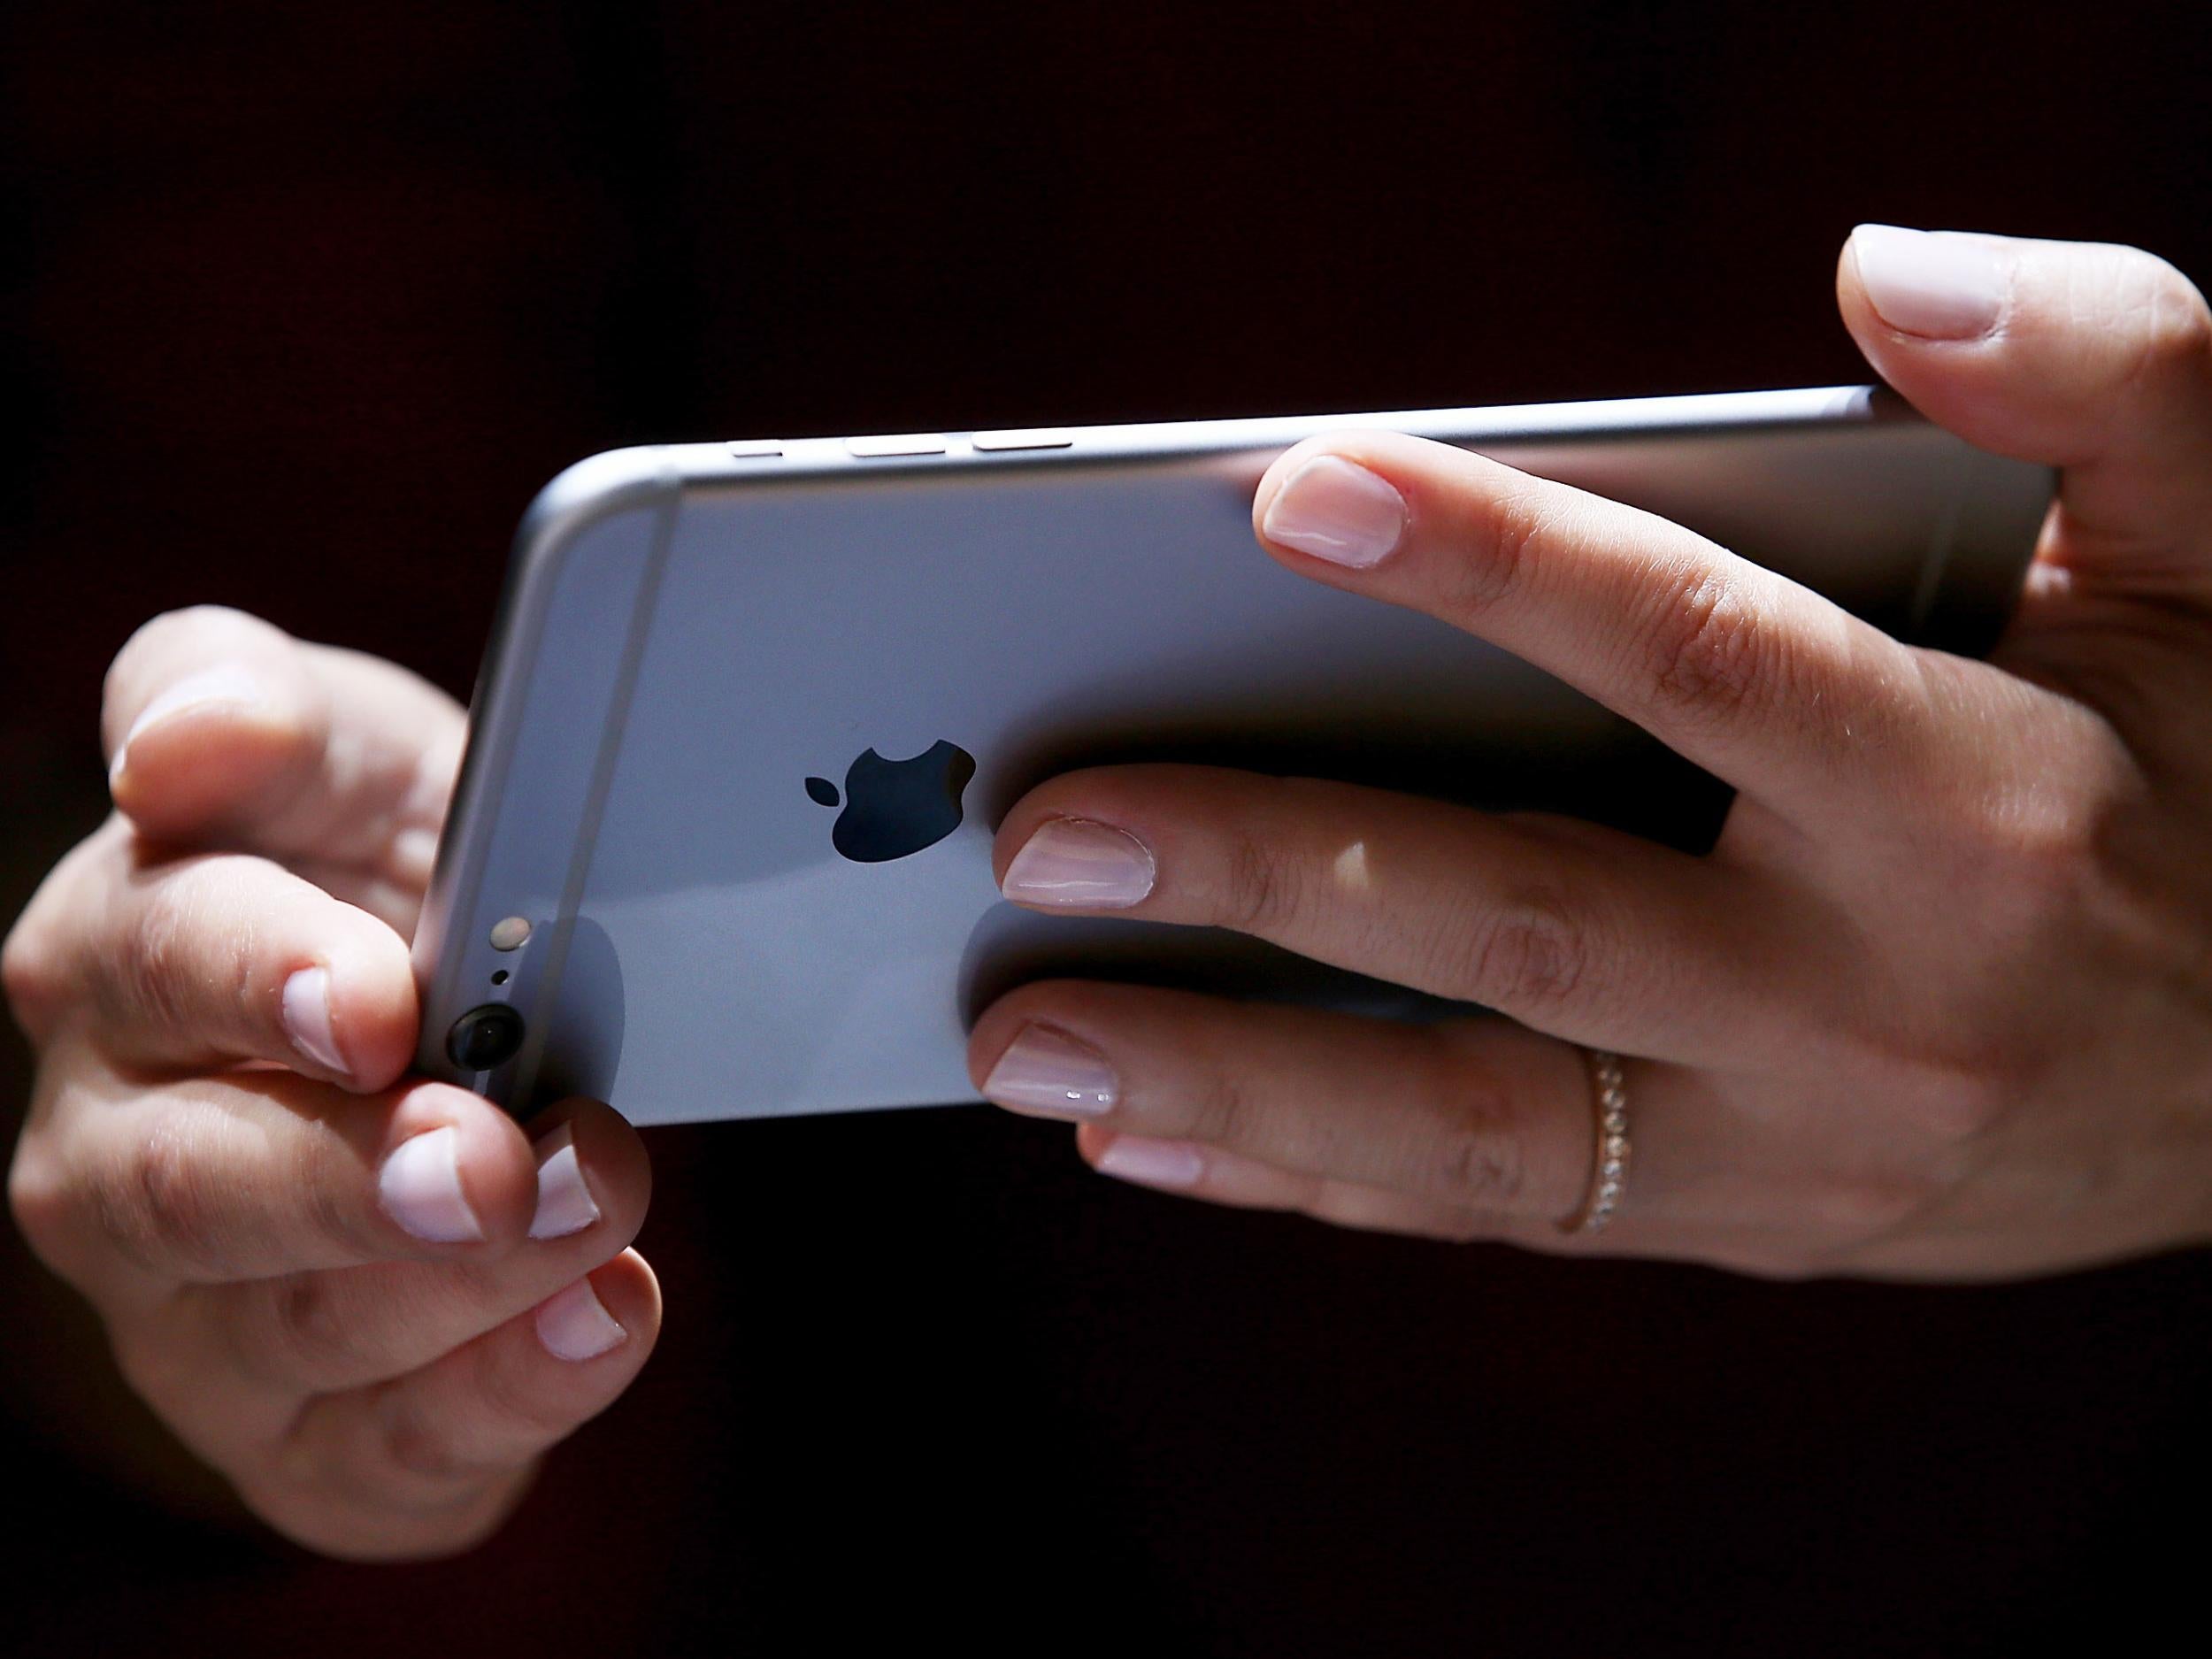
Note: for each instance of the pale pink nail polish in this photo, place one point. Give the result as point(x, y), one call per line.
point(564, 1202)
point(419, 1187)
point(1337, 510)
point(1077, 865)
point(306, 1004)
point(575, 1324)
point(1048, 1071)
point(1940, 285)
point(1174, 1164)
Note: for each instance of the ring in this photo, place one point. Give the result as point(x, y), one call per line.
point(1608, 1160)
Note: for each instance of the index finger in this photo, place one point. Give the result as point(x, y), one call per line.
point(1757, 679)
point(224, 730)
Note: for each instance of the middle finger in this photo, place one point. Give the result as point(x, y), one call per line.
point(1575, 930)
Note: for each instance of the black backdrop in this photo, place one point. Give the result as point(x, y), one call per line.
point(308, 302)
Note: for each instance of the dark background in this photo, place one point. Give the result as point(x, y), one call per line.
point(307, 302)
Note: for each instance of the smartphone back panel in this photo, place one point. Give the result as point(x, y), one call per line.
point(751, 718)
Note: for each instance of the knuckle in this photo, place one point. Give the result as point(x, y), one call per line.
point(1529, 957)
point(2173, 331)
point(328, 1208)
point(1477, 1158)
point(40, 1201)
point(30, 974)
point(303, 1333)
point(155, 951)
point(1218, 1106)
point(187, 951)
point(1510, 527)
point(381, 1493)
point(1708, 653)
point(2036, 850)
point(1962, 1101)
point(410, 1441)
point(510, 1396)
point(1265, 888)
point(155, 1201)
point(38, 961)
point(1478, 1164)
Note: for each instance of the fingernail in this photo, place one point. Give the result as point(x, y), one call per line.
point(1048, 1071)
point(307, 1018)
point(1074, 863)
point(564, 1203)
point(576, 1325)
point(419, 1187)
point(1940, 285)
point(227, 683)
point(1337, 510)
point(1170, 1164)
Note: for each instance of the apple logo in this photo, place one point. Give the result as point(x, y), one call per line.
point(896, 807)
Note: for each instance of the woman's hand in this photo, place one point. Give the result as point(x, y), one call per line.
point(372, 1303)
point(1940, 1002)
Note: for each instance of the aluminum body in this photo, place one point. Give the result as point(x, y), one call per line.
point(690, 633)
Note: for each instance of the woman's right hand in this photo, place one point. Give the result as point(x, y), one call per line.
point(370, 1301)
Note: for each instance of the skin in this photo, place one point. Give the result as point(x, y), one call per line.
point(1935, 1006)
point(212, 1188)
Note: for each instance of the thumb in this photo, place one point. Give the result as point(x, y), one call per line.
point(2094, 359)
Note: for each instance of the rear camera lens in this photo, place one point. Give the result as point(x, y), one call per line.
point(485, 1038)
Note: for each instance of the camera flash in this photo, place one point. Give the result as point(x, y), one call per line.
point(509, 935)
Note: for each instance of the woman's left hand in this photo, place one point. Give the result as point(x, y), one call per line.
point(1940, 1002)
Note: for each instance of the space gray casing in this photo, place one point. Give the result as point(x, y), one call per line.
point(689, 633)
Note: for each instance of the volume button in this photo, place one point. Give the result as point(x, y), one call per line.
point(899, 443)
point(1025, 438)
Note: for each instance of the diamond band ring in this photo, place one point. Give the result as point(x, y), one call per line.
point(1609, 1162)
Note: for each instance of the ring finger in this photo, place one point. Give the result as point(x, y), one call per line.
point(1476, 1117)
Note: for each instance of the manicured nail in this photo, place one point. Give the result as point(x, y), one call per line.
point(1170, 1163)
point(419, 1187)
point(576, 1325)
point(1048, 1071)
point(1337, 510)
point(1075, 863)
point(1936, 284)
point(564, 1203)
point(227, 684)
point(307, 1018)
